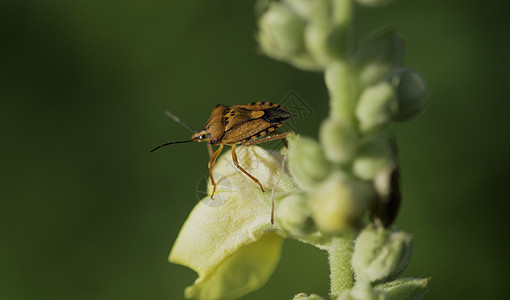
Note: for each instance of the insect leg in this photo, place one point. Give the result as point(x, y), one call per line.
point(236, 163)
point(266, 139)
point(210, 165)
point(209, 148)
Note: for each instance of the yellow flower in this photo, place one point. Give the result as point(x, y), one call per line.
point(230, 241)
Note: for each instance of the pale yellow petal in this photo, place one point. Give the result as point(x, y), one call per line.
point(229, 241)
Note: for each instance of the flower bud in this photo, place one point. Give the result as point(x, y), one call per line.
point(303, 296)
point(375, 3)
point(307, 163)
point(383, 51)
point(377, 106)
point(411, 93)
point(375, 153)
point(281, 37)
point(362, 291)
point(380, 255)
point(340, 202)
point(316, 40)
point(338, 140)
point(281, 32)
point(293, 215)
point(310, 10)
point(405, 288)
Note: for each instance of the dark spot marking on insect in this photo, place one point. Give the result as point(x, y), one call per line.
point(226, 122)
point(275, 115)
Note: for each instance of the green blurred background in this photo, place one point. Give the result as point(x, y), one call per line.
point(88, 213)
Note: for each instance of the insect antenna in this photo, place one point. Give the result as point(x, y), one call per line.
point(171, 143)
point(176, 119)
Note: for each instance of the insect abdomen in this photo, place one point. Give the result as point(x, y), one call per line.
point(276, 115)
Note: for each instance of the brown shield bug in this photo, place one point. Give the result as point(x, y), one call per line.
point(249, 124)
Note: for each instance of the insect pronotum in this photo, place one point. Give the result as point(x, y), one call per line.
point(249, 124)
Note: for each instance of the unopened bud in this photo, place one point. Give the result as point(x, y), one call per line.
point(411, 93)
point(303, 296)
point(307, 163)
point(340, 202)
point(281, 32)
point(380, 254)
point(405, 288)
point(293, 215)
point(377, 106)
point(316, 40)
point(338, 140)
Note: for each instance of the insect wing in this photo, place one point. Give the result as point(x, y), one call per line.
point(238, 115)
point(245, 131)
point(250, 122)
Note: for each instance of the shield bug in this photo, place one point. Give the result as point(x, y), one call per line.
point(246, 125)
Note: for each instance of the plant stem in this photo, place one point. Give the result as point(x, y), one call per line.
point(339, 75)
point(341, 273)
point(342, 92)
point(342, 85)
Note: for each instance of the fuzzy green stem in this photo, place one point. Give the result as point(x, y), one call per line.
point(340, 81)
point(343, 92)
point(341, 273)
point(342, 19)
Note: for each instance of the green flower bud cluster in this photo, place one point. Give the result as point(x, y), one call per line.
point(331, 201)
point(349, 177)
point(306, 34)
point(388, 91)
point(369, 88)
point(336, 194)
